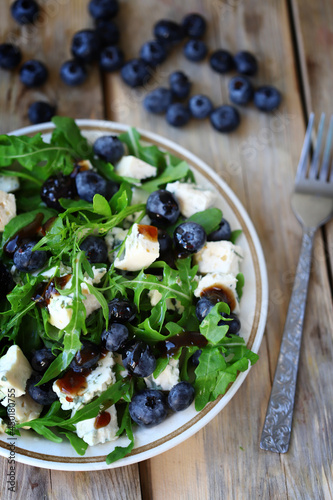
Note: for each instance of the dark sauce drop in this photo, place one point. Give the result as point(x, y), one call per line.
point(149, 232)
point(102, 420)
point(72, 383)
point(45, 291)
point(219, 293)
point(27, 232)
point(173, 344)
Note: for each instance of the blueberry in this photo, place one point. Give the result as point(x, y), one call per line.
point(195, 357)
point(148, 408)
point(267, 98)
point(111, 59)
point(56, 187)
point(158, 100)
point(33, 73)
point(221, 61)
point(86, 358)
point(153, 52)
point(178, 114)
point(240, 90)
point(181, 396)
point(246, 63)
point(86, 45)
point(6, 281)
point(165, 242)
point(40, 112)
point(194, 25)
point(225, 118)
point(136, 72)
point(109, 148)
point(189, 236)
point(232, 321)
point(26, 260)
point(195, 50)
point(42, 394)
point(10, 56)
point(89, 183)
point(108, 32)
point(162, 208)
point(203, 307)
point(95, 249)
point(73, 72)
point(223, 232)
point(180, 84)
point(42, 359)
point(103, 9)
point(115, 337)
point(139, 359)
point(121, 311)
point(168, 31)
point(200, 106)
point(24, 11)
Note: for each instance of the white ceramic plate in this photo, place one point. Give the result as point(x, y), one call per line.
point(34, 450)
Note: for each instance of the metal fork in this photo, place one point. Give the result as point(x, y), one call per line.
point(312, 203)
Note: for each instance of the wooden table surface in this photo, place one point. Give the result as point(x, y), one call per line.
point(293, 41)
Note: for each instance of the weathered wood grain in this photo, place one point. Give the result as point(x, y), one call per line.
point(49, 41)
point(259, 163)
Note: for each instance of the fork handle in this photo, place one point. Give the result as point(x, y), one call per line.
point(277, 427)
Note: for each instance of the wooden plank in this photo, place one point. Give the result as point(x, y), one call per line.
point(314, 33)
point(259, 163)
point(49, 41)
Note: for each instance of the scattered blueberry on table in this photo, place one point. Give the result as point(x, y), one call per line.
point(24, 11)
point(168, 31)
point(73, 72)
point(180, 84)
point(225, 118)
point(111, 59)
point(10, 56)
point(40, 112)
point(194, 25)
point(195, 50)
point(221, 61)
point(158, 100)
point(200, 106)
point(103, 9)
point(246, 63)
point(178, 114)
point(240, 90)
point(33, 73)
point(267, 98)
point(136, 72)
point(108, 32)
point(86, 45)
point(153, 52)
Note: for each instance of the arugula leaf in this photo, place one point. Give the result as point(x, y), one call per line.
point(234, 235)
point(211, 364)
point(78, 444)
point(101, 206)
point(209, 219)
point(120, 452)
point(209, 326)
point(22, 220)
point(170, 174)
point(67, 129)
point(240, 284)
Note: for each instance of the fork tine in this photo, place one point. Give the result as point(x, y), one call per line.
point(323, 173)
point(313, 172)
point(302, 165)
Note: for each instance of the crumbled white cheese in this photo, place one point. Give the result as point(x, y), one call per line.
point(60, 306)
point(84, 165)
point(9, 183)
point(97, 382)
point(140, 250)
point(7, 208)
point(3, 426)
point(167, 379)
point(191, 199)
point(130, 166)
point(87, 431)
point(227, 282)
point(219, 257)
point(154, 297)
point(171, 304)
point(15, 370)
point(113, 240)
point(26, 408)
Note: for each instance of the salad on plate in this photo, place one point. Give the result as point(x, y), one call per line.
point(120, 288)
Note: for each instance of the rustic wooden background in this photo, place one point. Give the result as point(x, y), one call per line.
point(293, 40)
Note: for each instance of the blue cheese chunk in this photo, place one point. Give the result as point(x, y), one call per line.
point(7, 208)
point(167, 379)
point(130, 166)
point(113, 240)
point(97, 382)
point(191, 199)
point(9, 183)
point(60, 306)
point(226, 282)
point(15, 370)
point(26, 408)
point(3, 426)
point(171, 304)
point(87, 431)
point(219, 257)
point(141, 249)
